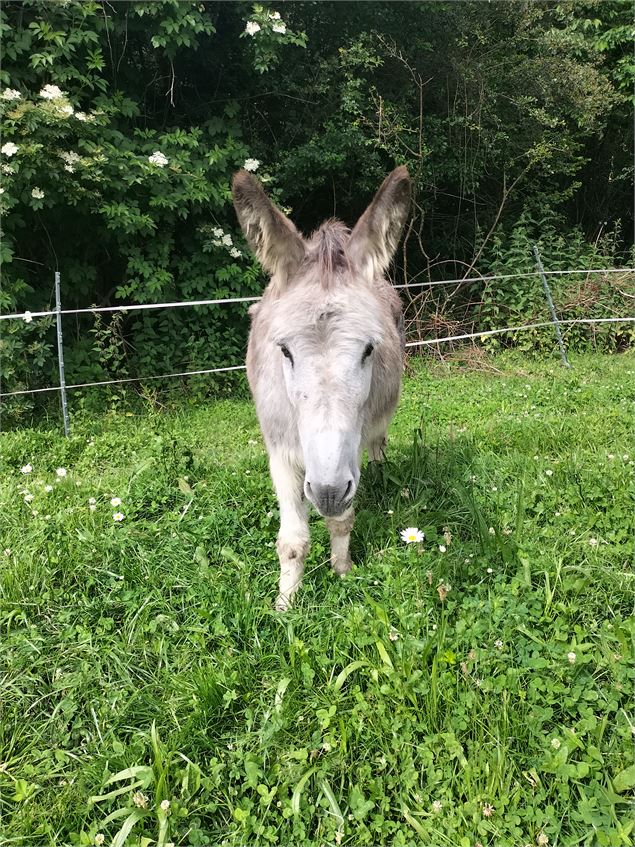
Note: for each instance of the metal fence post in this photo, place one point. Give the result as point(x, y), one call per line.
point(60, 351)
point(552, 308)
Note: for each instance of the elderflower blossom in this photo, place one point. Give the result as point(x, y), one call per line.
point(9, 149)
point(70, 157)
point(227, 240)
point(37, 193)
point(412, 535)
point(252, 28)
point(51, 92)
point(275, 16)
point(66, 109)
point(10, 94)
point(81, 116)
point(234, 253)
point(158, 158)
point(281, 28)
point(251, 165)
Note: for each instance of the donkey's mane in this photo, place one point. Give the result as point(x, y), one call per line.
point(326, 252)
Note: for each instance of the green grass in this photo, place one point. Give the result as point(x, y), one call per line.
point(145, 656)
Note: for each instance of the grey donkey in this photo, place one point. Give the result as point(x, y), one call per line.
point(324, 359)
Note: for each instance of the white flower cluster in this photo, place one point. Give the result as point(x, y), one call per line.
point(70, 158)
point(9, 149)
point(224, 239)
point(10, 94)
point(37, 193)
point(278, 26)
point(51, 92)
point(158, 158)
point(251, 165)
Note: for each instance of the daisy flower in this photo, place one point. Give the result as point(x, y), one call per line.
point(26, 468)
point(117, 516)
point(412, 535)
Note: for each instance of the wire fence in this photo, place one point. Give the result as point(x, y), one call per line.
point(137, 307)
point(555, 323)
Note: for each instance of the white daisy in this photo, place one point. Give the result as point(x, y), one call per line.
point(412, 535)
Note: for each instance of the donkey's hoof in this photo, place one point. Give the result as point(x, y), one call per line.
point(283, 602)
point(341, 568)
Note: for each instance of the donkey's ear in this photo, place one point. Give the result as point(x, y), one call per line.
point(376, 234)
point(276, 242)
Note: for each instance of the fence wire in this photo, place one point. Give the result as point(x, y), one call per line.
point(428, 342)
point(137, 307)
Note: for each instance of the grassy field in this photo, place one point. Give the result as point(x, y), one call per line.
point(475, 689)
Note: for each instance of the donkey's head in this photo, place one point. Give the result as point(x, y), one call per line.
point(329, 321)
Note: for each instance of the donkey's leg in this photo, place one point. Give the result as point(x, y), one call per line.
point(293, 537)
point(377, 448)
point(340, 531)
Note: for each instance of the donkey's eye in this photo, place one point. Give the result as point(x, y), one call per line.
point(286, 353)
point(367, 351)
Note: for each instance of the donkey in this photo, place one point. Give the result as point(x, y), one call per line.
point(324, 359)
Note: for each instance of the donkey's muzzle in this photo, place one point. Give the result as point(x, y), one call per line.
point(330, 500)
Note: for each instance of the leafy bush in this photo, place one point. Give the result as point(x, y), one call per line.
point(122, 125)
